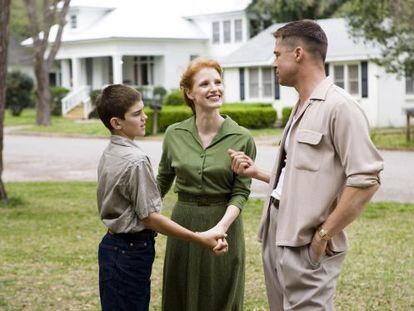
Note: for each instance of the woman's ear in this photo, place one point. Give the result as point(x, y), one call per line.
point(116, 125)
point(189, 94)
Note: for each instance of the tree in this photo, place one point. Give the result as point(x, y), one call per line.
point(263, 13)
point(390, 24)
point(54, 12)
point(4, 43)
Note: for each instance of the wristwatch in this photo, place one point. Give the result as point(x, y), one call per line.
point(323, 234)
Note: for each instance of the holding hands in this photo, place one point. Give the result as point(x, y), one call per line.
point(215, 240)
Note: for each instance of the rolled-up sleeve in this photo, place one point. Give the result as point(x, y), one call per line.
point(241, 186)
point(142, 189)
point(359, 157)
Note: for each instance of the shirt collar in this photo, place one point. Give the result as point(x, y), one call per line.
point(228, 127)
point(123, 141)
point(319, 93)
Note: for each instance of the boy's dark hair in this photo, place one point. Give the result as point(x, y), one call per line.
point(114, 101)
point(306, 31)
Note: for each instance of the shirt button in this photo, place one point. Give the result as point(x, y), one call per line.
point(199, 172)
point(123, 252)
point(131, 244)
point(199, 186)
point(201, 155)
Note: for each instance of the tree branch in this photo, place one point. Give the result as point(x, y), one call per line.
point(61, 18)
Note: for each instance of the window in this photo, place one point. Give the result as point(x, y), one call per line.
point(409, 84)
point(254, 82)
point(238, 30)
point(226, 31)
point(353, 80)
point(267, 82)
point(216, 32)
point(73, 21)
point(261, 82)
point(347, 76)
point(339, 74)
point(144, 70)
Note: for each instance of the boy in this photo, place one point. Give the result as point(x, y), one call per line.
point(129, 204)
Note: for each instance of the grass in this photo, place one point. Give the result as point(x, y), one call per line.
point(50, 233)
point(392, 138)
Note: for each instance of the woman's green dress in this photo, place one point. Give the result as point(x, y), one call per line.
point(194, 278)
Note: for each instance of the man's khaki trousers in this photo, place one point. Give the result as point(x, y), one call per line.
point(294, 281)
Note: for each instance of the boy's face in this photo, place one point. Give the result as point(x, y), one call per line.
point(133, 124)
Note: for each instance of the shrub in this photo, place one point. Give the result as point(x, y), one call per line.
point(57, 92)
point(159, 93)
point(286, 111)
point(18, 92)
point(247, 115)
point(175, 98)
point(94, 95)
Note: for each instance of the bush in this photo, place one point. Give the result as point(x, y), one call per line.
point(94, 95)
point(159, 93)
point(247, 115)
point(18, 92)
point(286, 111)
point(57, 92)
point(175, 98)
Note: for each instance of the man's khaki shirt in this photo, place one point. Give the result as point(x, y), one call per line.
point(329, 148)
point(127, 191)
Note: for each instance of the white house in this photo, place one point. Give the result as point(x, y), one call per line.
point(249, 77)
point(149, 43)
point(143, 43)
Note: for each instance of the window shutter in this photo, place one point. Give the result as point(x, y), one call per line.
point(364, 78)
point(241, 79)
point(327, 69)
point(277, 86)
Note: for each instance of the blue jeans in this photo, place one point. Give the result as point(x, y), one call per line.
point(125, 263)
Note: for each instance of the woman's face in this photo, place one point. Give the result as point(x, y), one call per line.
point(207, 91)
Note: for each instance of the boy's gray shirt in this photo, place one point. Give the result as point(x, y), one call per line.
point(127, 190)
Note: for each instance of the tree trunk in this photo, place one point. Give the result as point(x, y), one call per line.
point(43, 96)
point(4, 43)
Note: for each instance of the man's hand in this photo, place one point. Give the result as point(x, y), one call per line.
point(242, 164)
point(318, 246)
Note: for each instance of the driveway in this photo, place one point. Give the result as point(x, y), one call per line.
point(37, 158)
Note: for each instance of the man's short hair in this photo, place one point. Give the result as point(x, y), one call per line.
point(308, 32)
point(114, 101)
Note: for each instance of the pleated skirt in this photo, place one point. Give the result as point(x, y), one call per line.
point(194, 278)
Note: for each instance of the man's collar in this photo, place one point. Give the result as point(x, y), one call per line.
point(319, 93)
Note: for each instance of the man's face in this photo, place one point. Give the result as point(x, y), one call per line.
point(285, 63)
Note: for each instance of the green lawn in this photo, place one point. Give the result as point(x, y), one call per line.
point(50, 234)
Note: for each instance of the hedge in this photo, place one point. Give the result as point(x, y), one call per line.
point(286, 111)
point(247, 115)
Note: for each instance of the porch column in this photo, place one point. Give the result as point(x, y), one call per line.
point(117, 68)
point(76, 73)
point(65, 70)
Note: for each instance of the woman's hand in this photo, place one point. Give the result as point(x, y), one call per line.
point(215, 239)
point(242, 164)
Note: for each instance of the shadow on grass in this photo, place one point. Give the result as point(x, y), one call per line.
point(14, 202)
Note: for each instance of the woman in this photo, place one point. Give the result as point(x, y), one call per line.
point(209, 195)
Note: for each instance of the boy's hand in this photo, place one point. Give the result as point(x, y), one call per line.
point(242, 164)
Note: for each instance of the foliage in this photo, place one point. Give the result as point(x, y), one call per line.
point(57, 92)
point(159, 93)
point(174, 98)
point(18, 92)
point(389, 24)
point(286, 111)
point(94, 95)
point(263, 13)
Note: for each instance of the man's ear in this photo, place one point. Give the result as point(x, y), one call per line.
point(116, 125)
point(299, 54)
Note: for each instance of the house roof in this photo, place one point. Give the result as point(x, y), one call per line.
point(152, 19)
point(341, 46)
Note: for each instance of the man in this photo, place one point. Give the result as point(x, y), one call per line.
point(326, 172)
